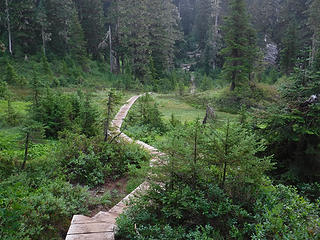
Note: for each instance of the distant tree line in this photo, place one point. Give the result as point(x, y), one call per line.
point(150, 37)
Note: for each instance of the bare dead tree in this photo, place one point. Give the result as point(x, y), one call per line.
point(9, 27)
point(210, 114)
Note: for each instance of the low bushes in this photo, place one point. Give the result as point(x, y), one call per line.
point(90, 161)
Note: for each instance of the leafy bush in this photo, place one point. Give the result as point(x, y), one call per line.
point(144, 120)
point(213, 186)
point(292, 128)
point(86, 169)
point(90, 161)
point(282, 214)
point(42, 213)
point(59, 111)
point(183, 213)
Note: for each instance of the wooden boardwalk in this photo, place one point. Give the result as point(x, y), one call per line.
point(102, 225)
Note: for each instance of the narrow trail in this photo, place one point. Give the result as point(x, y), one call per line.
point(102, 226)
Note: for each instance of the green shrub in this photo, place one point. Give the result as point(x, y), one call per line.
point(86, 169)
point(90, 161)
point(282, 214)
point(144, 120)
point(58, 112)
point(183, 213)
point(42, 213)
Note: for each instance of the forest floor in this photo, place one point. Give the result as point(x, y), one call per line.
point(117, 190)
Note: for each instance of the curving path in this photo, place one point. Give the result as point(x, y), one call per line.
point(102, 225)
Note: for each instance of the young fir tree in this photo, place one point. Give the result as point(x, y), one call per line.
point(239, 46)
point(290, 49)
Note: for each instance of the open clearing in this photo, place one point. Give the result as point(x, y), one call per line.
point(184, 112)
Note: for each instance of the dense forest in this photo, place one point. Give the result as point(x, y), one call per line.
point(232, 99)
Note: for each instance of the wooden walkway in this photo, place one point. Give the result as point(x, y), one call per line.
point(102, 226)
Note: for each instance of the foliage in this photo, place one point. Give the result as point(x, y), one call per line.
point(292, 127)
point(240, 47)
point(144, 120)
point(185, 200)
point(41, 213)
point(91, 162)
point(58, 111)
point(11, 76)
point(282, 213)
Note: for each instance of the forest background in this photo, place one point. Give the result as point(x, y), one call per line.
point(67, 66)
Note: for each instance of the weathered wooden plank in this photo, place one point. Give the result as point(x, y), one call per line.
point(92, 236)
point(79, 219)
point(90, 228)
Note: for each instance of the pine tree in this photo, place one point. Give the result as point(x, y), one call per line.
point(293, 33)
point(67, 33)
point(203, 21)
point(42, 20)
point(11, 75)
point(239, 45)
point(163, 33)
point(91, 18)
point(290, 49)
point(133, 22)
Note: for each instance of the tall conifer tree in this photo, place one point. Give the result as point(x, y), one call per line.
point(239, 40)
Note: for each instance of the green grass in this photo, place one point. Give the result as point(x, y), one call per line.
point(168, 105)
point(185, 112)
point(18, 106)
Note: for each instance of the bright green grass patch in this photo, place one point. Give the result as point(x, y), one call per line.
point(184, 112)
point(10, 138)
point(18, 106)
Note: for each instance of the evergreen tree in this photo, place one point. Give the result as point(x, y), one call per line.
point(187, 13)
point(146, 31)
point(239, 45)
point(91, 18)
point(203, 21)
point(11, 76)
point(67, 33)
point(290, 49)
point(42, 20)
point(163, 33)
point(293, 33)
point(133, 23)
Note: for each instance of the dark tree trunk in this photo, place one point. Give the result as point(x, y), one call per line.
point(106, 128)
point(233, 86)
point(226, 152)
point(210, 115)
point(26, 151)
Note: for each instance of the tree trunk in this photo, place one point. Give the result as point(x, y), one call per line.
point(26, 151)
point(195, 156)
point(215, 31)
point(233, 86)
point(9, 27)
point(106, 127)
point(313, 50)
point(122, 64)
point(110, 45)
point(226, 153)
point(43, 41)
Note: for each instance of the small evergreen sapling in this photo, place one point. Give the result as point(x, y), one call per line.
point(32, 130)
